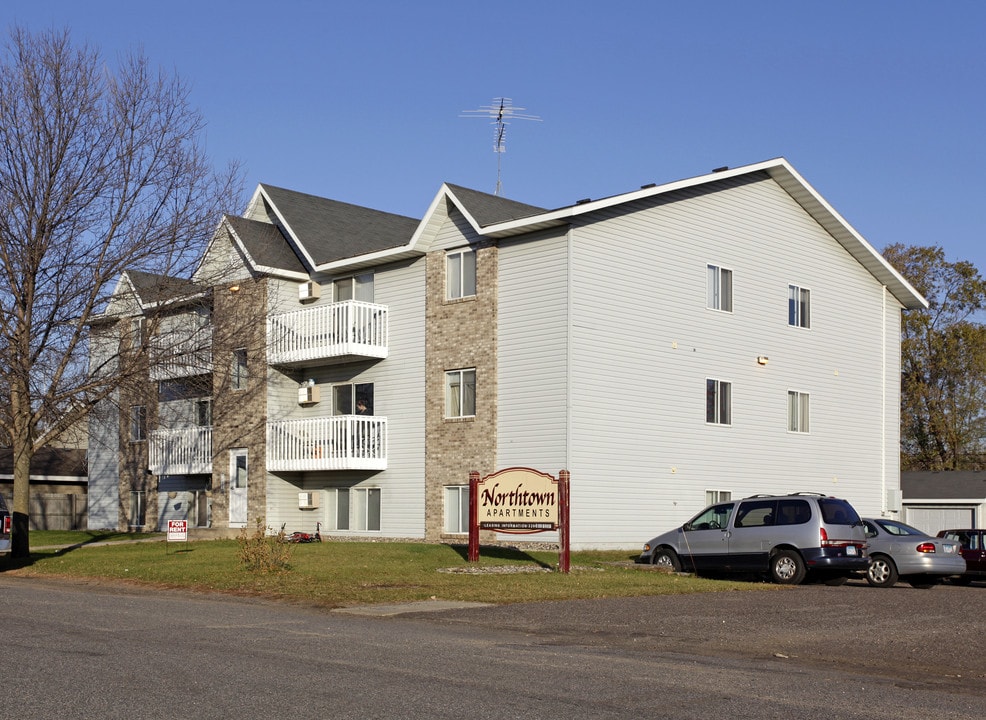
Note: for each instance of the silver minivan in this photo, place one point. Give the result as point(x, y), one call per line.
point(783, 536)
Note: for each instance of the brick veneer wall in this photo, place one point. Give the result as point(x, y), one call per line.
point(239, 417)
point(459, 334)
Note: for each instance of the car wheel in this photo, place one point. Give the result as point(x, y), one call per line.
point(882, 572)
point(666, 559)
point(787, 568)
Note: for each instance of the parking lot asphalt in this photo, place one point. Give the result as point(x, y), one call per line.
point(936, 635)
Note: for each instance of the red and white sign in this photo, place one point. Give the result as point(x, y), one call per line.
point(178, 530)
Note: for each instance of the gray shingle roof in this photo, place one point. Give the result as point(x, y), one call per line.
point(331, 230)
point(49, 462)
point(152, 288)
point(489, 209)
point(266, 245)
point(943, 485)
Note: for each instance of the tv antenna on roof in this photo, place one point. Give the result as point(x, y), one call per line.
point(500, 111)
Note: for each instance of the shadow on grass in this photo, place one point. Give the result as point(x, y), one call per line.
point(499, 552)
point(45, 550)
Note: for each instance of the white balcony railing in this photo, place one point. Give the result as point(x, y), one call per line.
point(172, 358)
point(339, 330)
point(180, 452)
point(340, 442)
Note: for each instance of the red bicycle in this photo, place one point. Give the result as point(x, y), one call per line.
point(301, 537)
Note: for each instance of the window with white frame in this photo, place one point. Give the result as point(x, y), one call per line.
point(138, 423)
point(718, 402)
point(457, 509)
point(460, 274)
point(337, 512)
point(713, 497)
point(797, 411)
point(138, 508)
point(356, 287)
point(720, 288)
point(138, 332)
point(238, 371)
point(460, 393)
point(352, 399)
point(366, 508)
point(798, 306)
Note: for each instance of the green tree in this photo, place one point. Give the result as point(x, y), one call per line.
point(101, 170)
point(943, 363)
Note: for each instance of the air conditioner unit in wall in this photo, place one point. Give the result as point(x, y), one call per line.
point(308, 394)
point(307, 500)
point(310, 290)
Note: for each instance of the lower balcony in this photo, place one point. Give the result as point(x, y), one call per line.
point(340, 442)
point(187, 451)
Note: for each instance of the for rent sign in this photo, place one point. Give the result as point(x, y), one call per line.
point(519, 500)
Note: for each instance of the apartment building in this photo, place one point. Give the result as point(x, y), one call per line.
point(718, 336)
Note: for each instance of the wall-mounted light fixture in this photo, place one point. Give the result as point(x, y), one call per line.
point(762, 359)
point(234, 288)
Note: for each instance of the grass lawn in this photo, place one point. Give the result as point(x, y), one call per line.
point(334, 574)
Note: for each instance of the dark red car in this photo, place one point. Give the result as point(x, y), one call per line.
point(4, 526)
point(972, 542)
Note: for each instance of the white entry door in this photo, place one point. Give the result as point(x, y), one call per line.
point(238, 488)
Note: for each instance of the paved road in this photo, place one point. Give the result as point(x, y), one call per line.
point(72, 650)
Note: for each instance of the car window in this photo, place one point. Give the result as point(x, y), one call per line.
point(898, 528)
point(871, 530)
point(792, 512)
point(837, 512)
point(756, 513)
point(713, 518)
point(975, 541)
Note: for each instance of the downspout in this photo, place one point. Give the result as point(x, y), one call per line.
point(568, 352)
point(883, 425)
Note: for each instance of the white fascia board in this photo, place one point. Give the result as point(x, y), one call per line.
point(942, 501)
point(284, 223)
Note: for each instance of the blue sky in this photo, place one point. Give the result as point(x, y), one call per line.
point(880, 105)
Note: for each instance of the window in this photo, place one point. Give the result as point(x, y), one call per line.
point(366, 508)
point(338, 510)
point(713, 518)
point(138, 423)
point(460, 393)
point(138, 508)
point(798, 306)
point(717, 496)
point(203, 412)
point(797, 411)
point(357, 287)
point(457, 509)
point(201, 510)
point(352, 399)
point(720, 288)
point(460, 274)
point(239, 369)
point(138, 329)
point(718, 402)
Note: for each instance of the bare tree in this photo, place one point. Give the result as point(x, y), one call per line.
point(100, 170)
point(943, 363)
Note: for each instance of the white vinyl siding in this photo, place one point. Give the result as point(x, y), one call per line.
point(638, 356)
point(398, 395)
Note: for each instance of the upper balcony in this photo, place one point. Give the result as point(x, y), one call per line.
point(173, 357)
point(338, 332)
point(340, 442)
point(187, 451)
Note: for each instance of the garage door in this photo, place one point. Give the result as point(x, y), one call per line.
point(931, 519)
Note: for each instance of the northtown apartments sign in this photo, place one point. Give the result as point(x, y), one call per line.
point(518, 500)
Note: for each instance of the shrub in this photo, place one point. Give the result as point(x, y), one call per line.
point(261, 552)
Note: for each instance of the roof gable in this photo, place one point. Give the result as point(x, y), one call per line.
point(328, 231)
